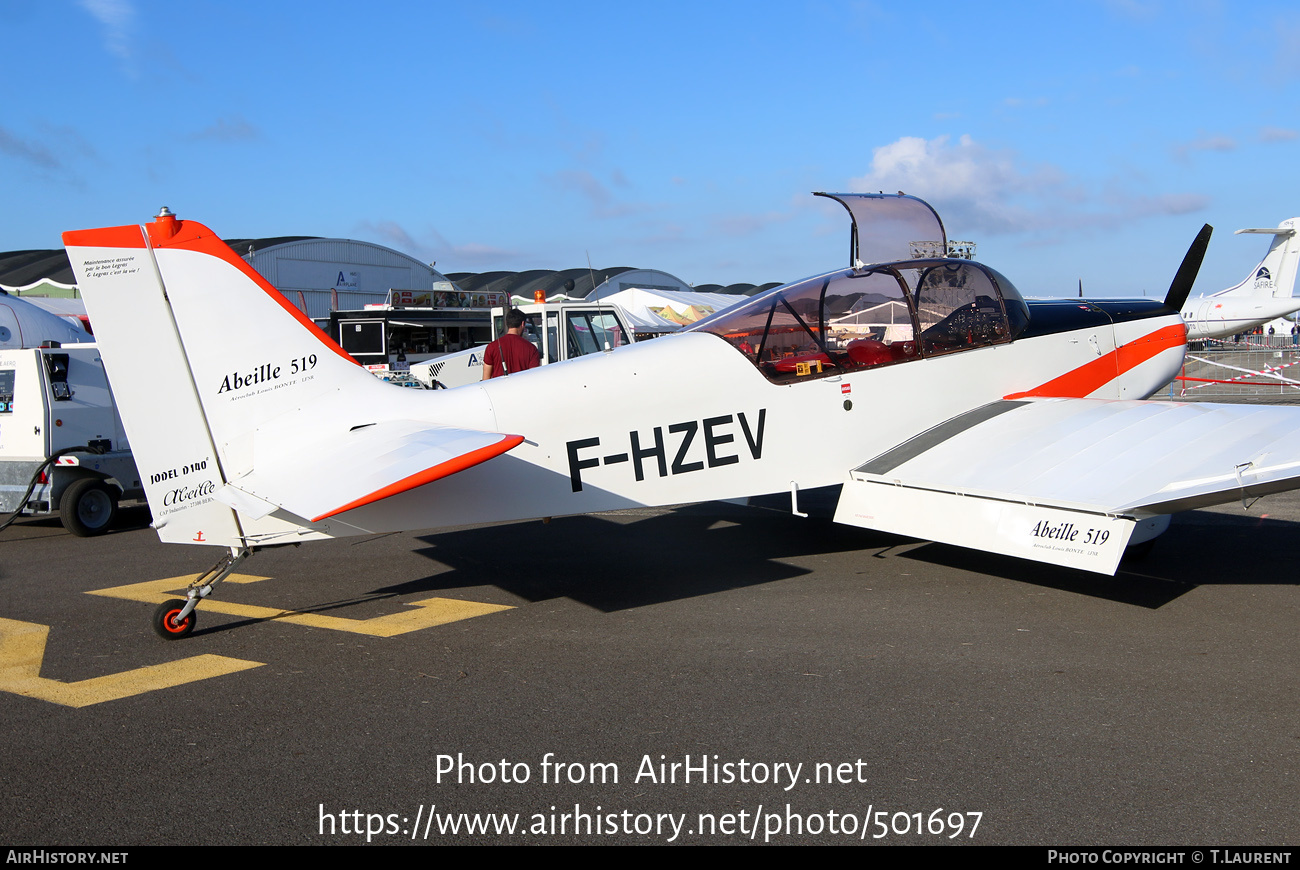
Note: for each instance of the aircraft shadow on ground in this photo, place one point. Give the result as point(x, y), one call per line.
point(129, 518)
point(685, 553)
point(1199, 549)
point(619, 561)
point(615, 565)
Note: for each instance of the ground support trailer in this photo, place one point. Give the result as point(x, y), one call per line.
point(62, 445)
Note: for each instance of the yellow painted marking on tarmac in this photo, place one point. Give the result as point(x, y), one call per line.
point(22, 650)
point(427, 613)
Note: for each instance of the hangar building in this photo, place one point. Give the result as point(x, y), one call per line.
point(319, 275)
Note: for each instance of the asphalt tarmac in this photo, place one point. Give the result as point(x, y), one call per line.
point(812, 683)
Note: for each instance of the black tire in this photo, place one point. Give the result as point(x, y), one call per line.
point(88, 508)
point(163, 625)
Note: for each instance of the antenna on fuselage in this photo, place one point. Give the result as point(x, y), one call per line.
point(599, 307)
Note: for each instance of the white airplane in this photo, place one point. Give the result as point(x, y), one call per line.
point(25, 324)
point(1265, 294)
point(982, 421)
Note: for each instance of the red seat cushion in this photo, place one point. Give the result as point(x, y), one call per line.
point(869, 352)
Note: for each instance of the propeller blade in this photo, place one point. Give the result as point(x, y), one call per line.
point(1181, 287)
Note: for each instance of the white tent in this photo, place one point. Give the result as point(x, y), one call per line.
point(890, 320)
point(655, 310)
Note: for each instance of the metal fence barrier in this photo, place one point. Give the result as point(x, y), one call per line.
point(1255, 369)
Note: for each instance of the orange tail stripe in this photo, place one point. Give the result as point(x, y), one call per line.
point(444, 469)
point(194, 236)
point(108, 237)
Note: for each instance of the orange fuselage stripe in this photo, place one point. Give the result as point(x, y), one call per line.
point(1092, 376)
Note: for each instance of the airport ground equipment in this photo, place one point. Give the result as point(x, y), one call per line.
point(560, 330)
point(62, 445)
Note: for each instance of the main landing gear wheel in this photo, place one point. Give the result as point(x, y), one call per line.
point(164, 620)
point(87, 508)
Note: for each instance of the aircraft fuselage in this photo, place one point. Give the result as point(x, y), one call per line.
point(596, 438)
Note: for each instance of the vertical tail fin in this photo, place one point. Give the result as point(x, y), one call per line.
point(200, 351)
point(152, 382)
point(247, 423)
point(1275, 274)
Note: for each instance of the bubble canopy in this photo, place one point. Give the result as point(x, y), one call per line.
point(885, 314)
point(887, 227)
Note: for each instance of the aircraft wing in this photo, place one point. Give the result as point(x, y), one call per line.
point(321, 475)
point(1066, 480)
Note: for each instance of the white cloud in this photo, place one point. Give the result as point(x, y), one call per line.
point(34, 153)
point(454, 258)
point(395, 236)
point(117, 17)
point(748, 224)
point(986, 191)
point(603, 203)
point(1136, 10)
point(1277, 134)
point(69, 139)
point(1022, 103)
point(505, 25)
point(232, 129)
point(1162, 204)
point(976, 186)
point(1203, 142)
point(1287, 34)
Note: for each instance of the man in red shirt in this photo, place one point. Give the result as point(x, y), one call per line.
point(511, 353)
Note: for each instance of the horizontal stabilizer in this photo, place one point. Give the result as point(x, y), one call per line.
point(322, 476)
point(1014, 463)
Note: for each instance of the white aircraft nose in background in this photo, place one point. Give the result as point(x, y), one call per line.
point(24, 324)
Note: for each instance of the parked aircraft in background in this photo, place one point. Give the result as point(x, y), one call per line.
point(1265, 294)
point(946, 406)
point(24, 324)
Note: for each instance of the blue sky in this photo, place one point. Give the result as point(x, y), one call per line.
point(1082, 140)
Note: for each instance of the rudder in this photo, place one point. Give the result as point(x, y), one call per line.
point(152, 384)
